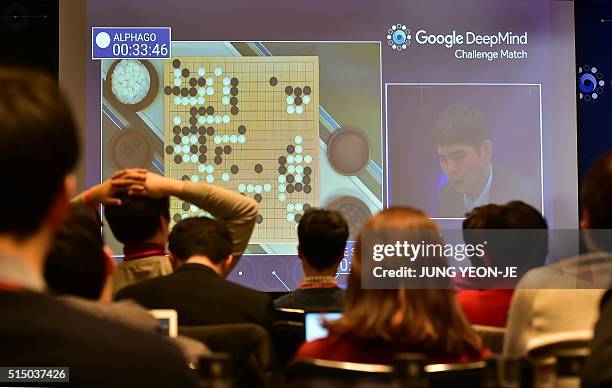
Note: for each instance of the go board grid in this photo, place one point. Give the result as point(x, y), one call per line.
point(262, 109)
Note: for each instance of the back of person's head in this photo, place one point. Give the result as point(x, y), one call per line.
point(428, 320)
point(516, 234)
point(76, 263)
point(460, 124)
point(200, 236)
point(39, 148)
point(138, 218)
point(322, 238)
point(596, 194)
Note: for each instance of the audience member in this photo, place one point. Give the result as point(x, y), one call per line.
point(597, 214)
point(380, 322)
point(80, 271)
point(322, 236)
point(508, 229)
point(142, 222)
point(561, 301)
point(202, 250)
point(36, 329)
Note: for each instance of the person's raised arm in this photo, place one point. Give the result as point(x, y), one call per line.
point(106, 192)
point(236, 211)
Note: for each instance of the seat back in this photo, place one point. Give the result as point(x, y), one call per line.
point(309, 372)
point(288, 333)
point(248, 344)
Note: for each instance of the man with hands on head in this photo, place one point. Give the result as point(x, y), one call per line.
point(142, 220)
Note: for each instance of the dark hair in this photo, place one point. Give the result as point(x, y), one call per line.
point(427, 321)
point(200, 236)
point(596, 193)
point(322, 236)
point(460, 124)
point(524, 245)
point(76, 263)
point(137, 218)
point(38, 147)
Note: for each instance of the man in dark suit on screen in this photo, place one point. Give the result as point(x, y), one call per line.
point(463, 139)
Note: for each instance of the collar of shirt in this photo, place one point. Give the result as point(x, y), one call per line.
point(319, 282)
point(17, 275)
point(483, 198)
point(140, 250)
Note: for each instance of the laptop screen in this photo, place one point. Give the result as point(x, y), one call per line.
point(314, 324)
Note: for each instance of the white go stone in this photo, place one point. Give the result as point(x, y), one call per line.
point(202, 168)
point(210, 119)
point(194, 158)
point(210, 169)
point(298, 158)
point(267, 187)
point(184, 216)
point(185, 140)
point(178, 82)
point(210, 178)
point(250, 188)
point(193, 139)
point(201, 72)
point(298, 139)
point(185, 149)
point(241, 139)
point(281, 179)
point(298, 178)
point(258, 189)
point(201, 120)
point(291, 109)
point(225, 138)
point(186, 158)
point(217, 139)
point(177, 100)
point(194, 208)
point(307, 159)
point(209, 81)
point(290, 207)
point(290, 217)
point(306, 100)
point(282, 197)
point(226, 90)
point(225, 177)
point(177, 73)
point(241, 187)
point(218, 71)
point(290, 100)
point(201, 100)
point(226, 81)
point(290, 159)
point(291, 169)
point(299, 207)
point(178, 149)
point(218, 119)
point(202, 91)
point(233, 139)
point(193, 100)
point(176, 120)
point(299, 149)
point(195, 178)
point(185, 101)
point(225, 100)
point(299, 109)
point(226, 119)
point(299, 169)
point(282, 188)
point(210, 91)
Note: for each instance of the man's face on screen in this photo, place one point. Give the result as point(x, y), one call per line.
point(466, 167)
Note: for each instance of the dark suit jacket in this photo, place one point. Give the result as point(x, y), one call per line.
point(201, 297)
point(37, 330)
point(506, 186)
point(312, 298)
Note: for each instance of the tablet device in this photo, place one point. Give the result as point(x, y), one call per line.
point(168, 321)
point(313, 323)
